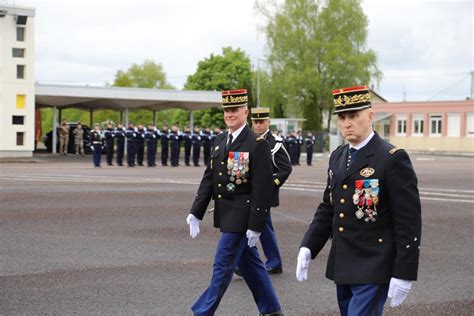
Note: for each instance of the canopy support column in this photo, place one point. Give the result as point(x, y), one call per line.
point(191, 120)
point(55, 126)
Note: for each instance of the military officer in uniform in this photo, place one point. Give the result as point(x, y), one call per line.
point(196, 140)
point(120, 136)
point(140, 144)
point(175, 142)
point(370, 209)
point(63, 137)
point(206, 144)
point(151, 136)
point(238, 177)
point(164, 139)
point(309, 142)
point(187, 145)
point(281, 165)
point(292, 143)
point(97, 144)
point(131, 134)
point(109, 135)
point(79, 139)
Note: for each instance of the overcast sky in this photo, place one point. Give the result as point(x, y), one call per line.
point(424, 47)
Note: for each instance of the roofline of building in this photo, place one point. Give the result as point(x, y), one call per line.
point(18, 10)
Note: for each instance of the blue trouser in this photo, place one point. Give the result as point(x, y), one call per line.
point(270, 245)
point(361, 299)
point(231, 250)
point(120, 148)
point(96, 155)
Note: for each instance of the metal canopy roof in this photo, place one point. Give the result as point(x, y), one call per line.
point(115, 98)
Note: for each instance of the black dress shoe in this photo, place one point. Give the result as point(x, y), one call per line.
point(276, 270)
point(275, 313)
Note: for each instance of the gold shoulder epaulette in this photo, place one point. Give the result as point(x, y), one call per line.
point(394, 150)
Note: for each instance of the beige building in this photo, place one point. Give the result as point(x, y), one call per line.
point(17, 81)
point(431, 126)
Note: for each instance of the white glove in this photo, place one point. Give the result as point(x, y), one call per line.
point(92, 147)
point(252, 237)
point(302, 265)
point(398, 291)
point(193, 223)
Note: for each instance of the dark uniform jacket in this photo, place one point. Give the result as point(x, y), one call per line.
point(247, 206)
point(369, 250)
point(281, 165)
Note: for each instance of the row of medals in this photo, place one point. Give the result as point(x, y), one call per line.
point(237, 169)
point(366, 198)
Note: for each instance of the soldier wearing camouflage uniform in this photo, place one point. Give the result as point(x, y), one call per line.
point(79, 139)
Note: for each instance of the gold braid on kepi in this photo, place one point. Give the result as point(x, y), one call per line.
point(260, 114)
point(351, 99)
point(234, 98)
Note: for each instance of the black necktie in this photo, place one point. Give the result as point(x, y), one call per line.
point(229, 142)
point(351, 157)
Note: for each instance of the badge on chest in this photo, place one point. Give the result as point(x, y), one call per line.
point(238, 167)
point(366, 197)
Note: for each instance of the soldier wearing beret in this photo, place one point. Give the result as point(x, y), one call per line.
point(371, 210)
point(238, 177)
point(281, 166)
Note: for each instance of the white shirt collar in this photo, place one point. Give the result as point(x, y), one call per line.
point(236, 133)
point(364, 142)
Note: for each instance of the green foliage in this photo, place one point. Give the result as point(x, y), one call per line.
point(314, 47)
point(147, 75)
point(231, 70)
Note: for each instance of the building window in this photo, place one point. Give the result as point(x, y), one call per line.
point(435, 123)
point(20, 71)
point(20, 101)
point(470, 124)
point(18, 120)
point(20, 34)
point(454, 125)
point(418, 124)
point(20, 137)
point(18, 52)
point(401, 125)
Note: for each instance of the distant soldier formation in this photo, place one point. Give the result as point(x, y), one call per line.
point(143, 143)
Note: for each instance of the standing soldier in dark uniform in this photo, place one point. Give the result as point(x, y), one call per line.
point(206, 144)
point(120, 136)
point(175, 140)
point(109, 135)
point(187, 145)
point(97, 143)
point(196, 140)
point(281, 165)
point(292, 142)
point(140, 144)
point(309, 141)
point(164, 145)
point(214, 134)
point(370, 209)
point(131, 134)
point(151, 136)
point(299, 142)
point(238, 177)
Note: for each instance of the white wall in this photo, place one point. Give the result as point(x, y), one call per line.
point(10, 86)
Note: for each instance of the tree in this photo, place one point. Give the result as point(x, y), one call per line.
point(314, 47)
point(231, 70)
point(150, 75)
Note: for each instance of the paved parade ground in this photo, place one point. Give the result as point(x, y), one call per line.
point(80, 240)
